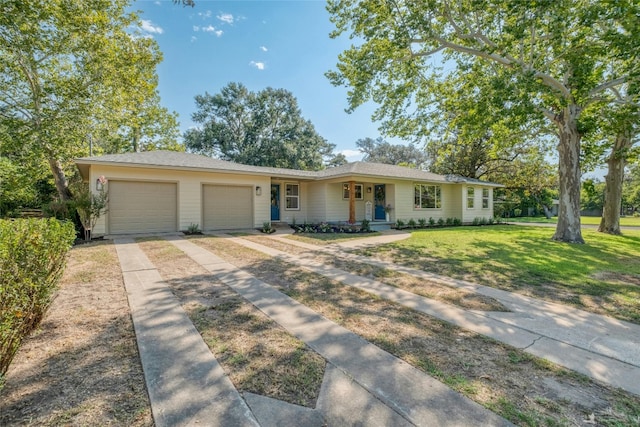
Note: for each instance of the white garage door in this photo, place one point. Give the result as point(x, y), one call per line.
point(142, 207)
point(227, 207)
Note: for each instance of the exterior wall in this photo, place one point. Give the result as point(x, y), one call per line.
point(337, 208)
point(453, 202)
point(304, 201)
point(317, 206)
point(469, 214)
point(189, 190)
point(407, 210)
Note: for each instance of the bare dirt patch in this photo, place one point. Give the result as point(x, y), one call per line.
point(437, 291)
point(615, 277)
point(258, 355)
point(526, 390)
point(82, 366)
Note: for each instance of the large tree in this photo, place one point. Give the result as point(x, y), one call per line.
point(67, 68)
point(557, 52)
point(380, 151)
point(622, 127)
point(264, 128)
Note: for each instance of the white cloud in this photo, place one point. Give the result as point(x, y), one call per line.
point(258, 65)
point(263, 48)
point(352, 155)
point(149, 27)
point(208, 29)
point(193, 39)
point(226, 17)
point(205, 15)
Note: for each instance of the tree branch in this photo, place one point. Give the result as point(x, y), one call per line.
point(608, 85)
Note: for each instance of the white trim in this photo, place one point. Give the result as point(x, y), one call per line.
point(291, 196)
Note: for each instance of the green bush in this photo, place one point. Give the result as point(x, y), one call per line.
point(32, 259)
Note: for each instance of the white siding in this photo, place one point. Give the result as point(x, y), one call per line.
point(477, 211)
point(300, 214)
point(317, 206)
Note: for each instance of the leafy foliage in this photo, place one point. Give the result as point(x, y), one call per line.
point(264, 128)
point(89, 205)
point(70, 69)
point(32, 259)
point(380, 151)
point(550, 60)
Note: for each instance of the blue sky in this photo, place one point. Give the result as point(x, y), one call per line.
point(279, 44)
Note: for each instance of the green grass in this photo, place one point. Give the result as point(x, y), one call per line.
point(628, 221)
point(602, 275)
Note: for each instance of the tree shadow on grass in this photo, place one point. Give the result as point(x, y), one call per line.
point(585, 276)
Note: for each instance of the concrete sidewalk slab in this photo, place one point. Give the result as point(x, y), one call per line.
point(186, 384)
point(597, 346)
point(417, 397)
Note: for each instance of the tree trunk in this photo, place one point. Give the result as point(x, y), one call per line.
point(610, 222)
point(62, 185)
point(547, 211)
point(568, 228)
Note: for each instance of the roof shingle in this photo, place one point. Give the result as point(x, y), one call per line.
point(179, 160)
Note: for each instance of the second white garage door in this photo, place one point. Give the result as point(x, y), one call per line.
point(227, 207)
point(142, 207)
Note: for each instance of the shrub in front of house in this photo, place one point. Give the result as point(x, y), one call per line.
point(32, 259)
point(328, 227)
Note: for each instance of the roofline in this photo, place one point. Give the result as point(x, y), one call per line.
point(281, 173)
point(82, 161)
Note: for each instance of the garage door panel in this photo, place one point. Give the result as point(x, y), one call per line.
point(142, 207)
point(227, 207)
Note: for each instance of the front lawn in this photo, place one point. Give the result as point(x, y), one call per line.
point(628, 221)
point(602, 276)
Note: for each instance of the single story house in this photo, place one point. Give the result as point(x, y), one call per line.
point(163, 191)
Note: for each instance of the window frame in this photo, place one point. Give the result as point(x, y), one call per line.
point(437, 196)
point(291, 197)
point(485, 198)
point(471, 196)
point(346, 188)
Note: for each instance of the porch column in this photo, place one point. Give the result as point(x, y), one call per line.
point(352, 202)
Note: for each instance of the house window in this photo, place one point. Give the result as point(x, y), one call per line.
point(292, 196)
point(345, 191)
point(470, 197)
point(427, 197)
point(485, 198)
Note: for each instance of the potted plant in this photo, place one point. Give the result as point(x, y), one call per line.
point(387, 210)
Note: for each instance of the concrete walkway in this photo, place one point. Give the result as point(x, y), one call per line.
point(186, 385)
point(363, 385)
point(598, 346)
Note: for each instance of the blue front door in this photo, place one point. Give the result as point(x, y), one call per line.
point(275, 202)
point(380, 200)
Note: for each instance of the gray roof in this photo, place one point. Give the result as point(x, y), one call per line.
point(179, 160)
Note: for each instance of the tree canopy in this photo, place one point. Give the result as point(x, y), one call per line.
point(553, 58)
point(380, 151)
point(71, 69)
point(264, 128)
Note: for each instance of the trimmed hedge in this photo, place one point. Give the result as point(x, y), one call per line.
point(32, 259)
